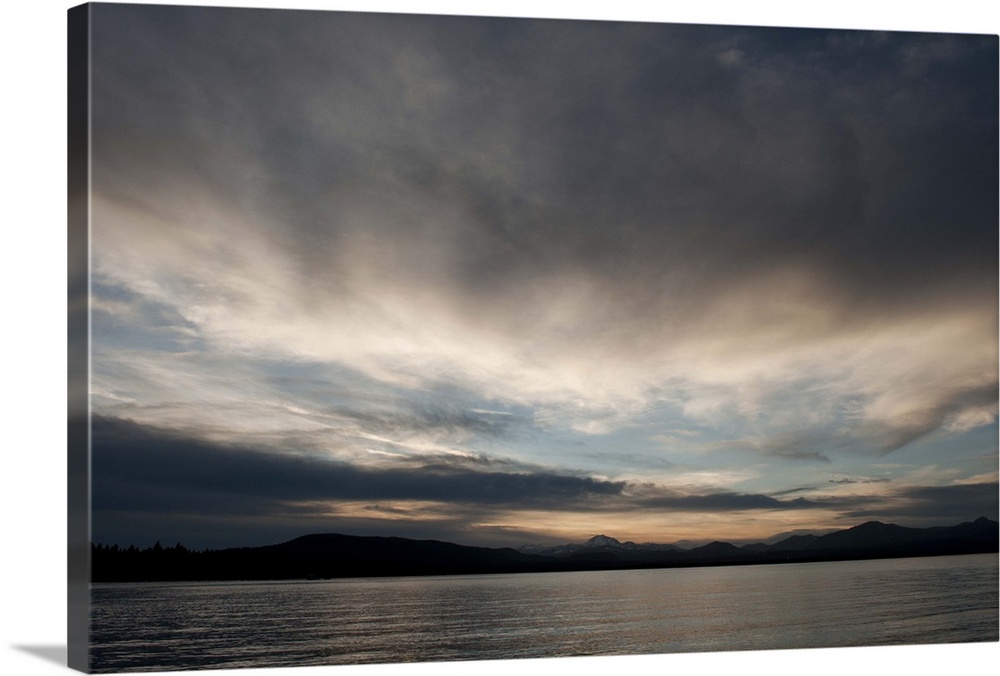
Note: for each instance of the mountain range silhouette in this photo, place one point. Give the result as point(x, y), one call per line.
point(334, 555)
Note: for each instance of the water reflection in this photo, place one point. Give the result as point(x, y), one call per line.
point(230, 625)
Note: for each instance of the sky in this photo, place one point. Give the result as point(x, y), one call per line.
point(503, 281)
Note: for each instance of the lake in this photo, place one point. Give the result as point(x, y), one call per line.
point(166, 626)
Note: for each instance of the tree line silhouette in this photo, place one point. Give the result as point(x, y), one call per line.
point(311, 556)
point(117, 564)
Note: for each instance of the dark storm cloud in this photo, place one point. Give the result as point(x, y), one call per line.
point(903, 503)
point(145, 469)
point(869, 150)
point(654, 157)
point(728, 502)
point(937, 504)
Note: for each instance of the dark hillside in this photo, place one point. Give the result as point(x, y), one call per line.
point(334, 555)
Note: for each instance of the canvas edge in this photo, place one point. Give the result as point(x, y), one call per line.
point(78, 337)
point(78, 277)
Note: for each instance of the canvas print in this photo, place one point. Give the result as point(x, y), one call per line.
point(411, 338)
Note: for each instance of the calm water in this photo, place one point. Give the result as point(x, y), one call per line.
point(227, 625)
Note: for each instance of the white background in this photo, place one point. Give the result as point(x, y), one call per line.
point(33, 330)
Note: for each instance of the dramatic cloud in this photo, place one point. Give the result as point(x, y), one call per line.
point(147, 470)
point(146, 475)
point(931, 504)
point(372, 239)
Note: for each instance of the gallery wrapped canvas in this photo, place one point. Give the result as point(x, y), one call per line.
point(423, 338)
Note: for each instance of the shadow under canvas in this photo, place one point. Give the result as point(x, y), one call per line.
point(49, 653)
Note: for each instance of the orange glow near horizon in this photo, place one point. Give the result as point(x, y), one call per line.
point(662, 527)
point(566, 526)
